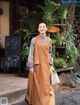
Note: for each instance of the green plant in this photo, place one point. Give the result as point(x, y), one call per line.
point(62, 14)
point(59, 62)
point(44, 13)
point(53, 12)
point(57, 40)
point(48, 13)
point(25, 51)
point(71, 50)
point(31, 21)
point(26, 36)
point(49, 9)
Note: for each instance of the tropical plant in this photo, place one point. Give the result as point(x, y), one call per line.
point(31, 21)
point(44, 13)
point(49, 9)
point(59, 62)
point(25, 51)
point(57, 40)
point(71, 50)
point(53, 12)
point(48, 13)
point(62, 14)
point(26, 37)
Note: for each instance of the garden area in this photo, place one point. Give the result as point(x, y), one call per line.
point(65, 35)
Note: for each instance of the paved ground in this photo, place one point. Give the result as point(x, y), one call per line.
point(69, 98)
point(11, 82)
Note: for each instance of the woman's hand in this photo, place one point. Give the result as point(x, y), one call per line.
point(32, 69)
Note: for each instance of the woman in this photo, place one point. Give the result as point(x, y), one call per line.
point(40, 91)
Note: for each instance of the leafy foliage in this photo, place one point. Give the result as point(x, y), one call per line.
point(31, 21)
point(48, 11)
point(27, 35)
point(71, 50)
point(59, 62)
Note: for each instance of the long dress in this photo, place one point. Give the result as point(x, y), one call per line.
point(40, 91)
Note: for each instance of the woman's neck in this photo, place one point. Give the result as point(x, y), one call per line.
point(42, 35)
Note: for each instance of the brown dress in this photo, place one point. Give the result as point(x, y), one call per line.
point(40, 91)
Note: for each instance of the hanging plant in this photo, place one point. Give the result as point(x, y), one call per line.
point(1, 11)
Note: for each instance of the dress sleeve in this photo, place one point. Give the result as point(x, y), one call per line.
point(31, 52)
point(50, 54)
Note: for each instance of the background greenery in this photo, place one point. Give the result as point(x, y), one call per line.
point(50, 13)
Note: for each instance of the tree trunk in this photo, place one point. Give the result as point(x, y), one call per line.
point(71, 14)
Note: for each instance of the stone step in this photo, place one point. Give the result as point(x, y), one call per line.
point(14, 97)
point(12, 88)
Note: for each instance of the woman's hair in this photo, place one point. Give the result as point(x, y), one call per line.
point(42, 23)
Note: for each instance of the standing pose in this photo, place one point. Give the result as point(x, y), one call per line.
point(39, 90)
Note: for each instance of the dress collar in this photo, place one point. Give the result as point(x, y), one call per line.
point(42, 37)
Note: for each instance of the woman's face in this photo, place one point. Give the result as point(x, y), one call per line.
point(42, 28)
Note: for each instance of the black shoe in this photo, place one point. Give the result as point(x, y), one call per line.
point(27, 101)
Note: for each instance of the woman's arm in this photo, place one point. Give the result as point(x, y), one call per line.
point(30, 56)
point(50, 54)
